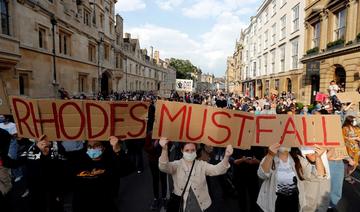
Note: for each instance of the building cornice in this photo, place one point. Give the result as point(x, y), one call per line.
point(333, 53)
point(141, 62)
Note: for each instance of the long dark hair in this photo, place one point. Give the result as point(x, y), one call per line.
point(295, 154)
point(348, 121)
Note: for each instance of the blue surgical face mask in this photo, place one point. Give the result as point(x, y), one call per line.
point(94, 153)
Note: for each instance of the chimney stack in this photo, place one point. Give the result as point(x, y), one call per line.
point(151, 52)
point(157, 56)
point(128, 35)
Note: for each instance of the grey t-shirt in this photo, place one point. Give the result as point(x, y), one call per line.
point(192, 204)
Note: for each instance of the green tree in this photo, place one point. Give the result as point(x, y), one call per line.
point(183, 68)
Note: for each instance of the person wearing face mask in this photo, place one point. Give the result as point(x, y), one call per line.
point(96, 176)
point(284, 171)
point(317, 191)
point(351, 133)
point(267, 109)
point(189, 177)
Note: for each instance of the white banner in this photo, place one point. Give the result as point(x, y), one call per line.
point(184, 85)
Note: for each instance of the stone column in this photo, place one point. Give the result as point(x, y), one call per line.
point(325, 34)
point(307, 37)
point(351, 19)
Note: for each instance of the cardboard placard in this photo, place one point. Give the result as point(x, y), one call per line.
point(79, 120)
point(4, 103)
point(320, 97)
point(349, 97)
point(220, 127)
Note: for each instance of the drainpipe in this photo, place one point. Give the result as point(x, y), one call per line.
point(53, 24)
point(99, 64)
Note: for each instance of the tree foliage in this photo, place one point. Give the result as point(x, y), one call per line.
point(183, 68)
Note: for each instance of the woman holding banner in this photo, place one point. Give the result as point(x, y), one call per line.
point(97, 176)
point(284, 171)
point(189, 177)
point(351, 133)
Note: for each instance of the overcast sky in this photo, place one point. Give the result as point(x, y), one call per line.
point(203, 31)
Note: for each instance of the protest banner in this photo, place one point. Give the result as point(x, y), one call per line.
point(79, 120)
point(349, 97)
point(184, 85)
point(4, 104)
point(220, 127)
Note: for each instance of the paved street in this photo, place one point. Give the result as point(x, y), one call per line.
point(136, 195)
point(351, 196)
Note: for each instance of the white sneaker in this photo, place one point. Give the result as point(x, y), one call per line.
point(25, 194)
point(18, 179)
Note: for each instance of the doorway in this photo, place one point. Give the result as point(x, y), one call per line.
point(315, 86)
point(340, 78)
point(105, 84)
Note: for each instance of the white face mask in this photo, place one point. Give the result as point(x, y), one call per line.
point(189, 156)
point(284, 149)
point(354, 123)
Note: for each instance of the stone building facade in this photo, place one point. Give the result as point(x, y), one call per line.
point(272, 45)
point(78, 45)
point(332, 46)
point(234, 69)
point(206, 82)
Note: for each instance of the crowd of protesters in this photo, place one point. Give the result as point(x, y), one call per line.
point(85, 175)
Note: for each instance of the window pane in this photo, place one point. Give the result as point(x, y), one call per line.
point(65, 44)
point(40, 39)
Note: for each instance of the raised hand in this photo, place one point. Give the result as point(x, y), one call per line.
point(273, 149)
point(229, 151)
point(319, 150)
point(240, 160)
point(114, 141)
point(43, 144)
point(163, 142)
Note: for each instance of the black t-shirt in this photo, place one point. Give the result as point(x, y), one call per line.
point(221, 103)
point(244, 169)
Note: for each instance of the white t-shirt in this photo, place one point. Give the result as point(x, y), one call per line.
point(286, 181)
point(10, 128)
point(333, 89)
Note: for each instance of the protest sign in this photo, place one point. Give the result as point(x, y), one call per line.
point(321, 97)
point(79, 120)
point(219, 127)
point(349, 97)
point(184, 85)
point(4, 104)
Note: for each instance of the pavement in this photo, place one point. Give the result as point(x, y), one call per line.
point(350, 201)
point(135, 195)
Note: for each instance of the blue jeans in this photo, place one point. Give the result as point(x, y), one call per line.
point(337, 179)
point(13, 149)
point(13, 154)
